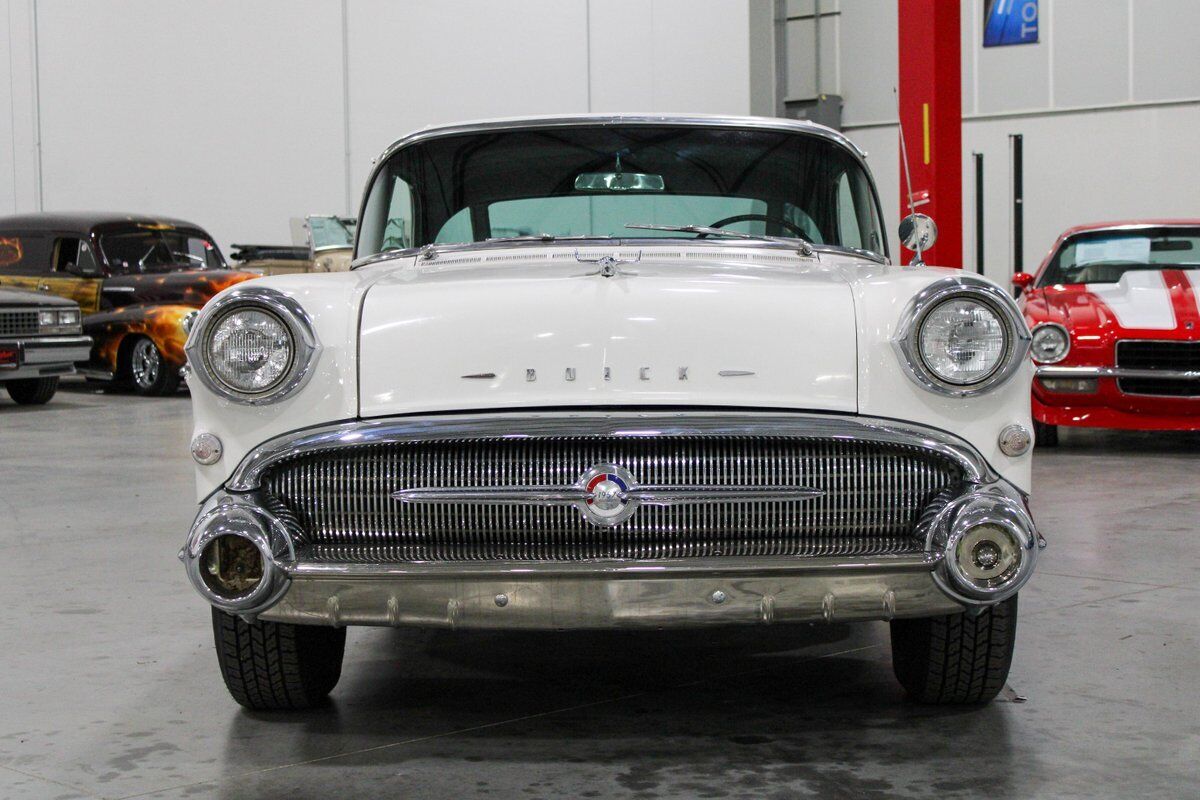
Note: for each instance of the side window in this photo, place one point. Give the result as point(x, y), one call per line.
point(387, 222)
point(74, 251)
point(849, 231)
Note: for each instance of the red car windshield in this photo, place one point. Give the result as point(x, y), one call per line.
point(1103, 256)
point(139, 251)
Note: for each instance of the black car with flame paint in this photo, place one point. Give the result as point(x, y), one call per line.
point(136, 279)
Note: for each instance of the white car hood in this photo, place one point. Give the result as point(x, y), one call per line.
point(532, 328)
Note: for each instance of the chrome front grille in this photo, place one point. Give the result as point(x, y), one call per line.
point(874, 492)
point(19, 323)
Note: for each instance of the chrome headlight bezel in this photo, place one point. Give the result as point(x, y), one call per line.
point(1043, 326)
point(305, 345)
point(966, 287)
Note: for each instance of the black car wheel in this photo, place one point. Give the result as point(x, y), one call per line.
point(272, 666)
point(32, 391)
point(1045, 435)
point(148, 371)
point(956, 659)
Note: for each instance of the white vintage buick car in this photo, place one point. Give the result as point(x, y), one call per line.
point(613, 371)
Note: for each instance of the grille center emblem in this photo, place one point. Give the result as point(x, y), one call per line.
point(605, 495)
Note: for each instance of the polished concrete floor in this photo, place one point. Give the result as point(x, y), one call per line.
point(109, 687)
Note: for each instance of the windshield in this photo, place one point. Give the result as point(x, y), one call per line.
point(331, 232)
point(1104, 256)
point(137, 251)
point(593, 180)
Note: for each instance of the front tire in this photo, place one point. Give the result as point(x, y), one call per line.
point(273, 666)
point(1045, 435)
point(149, 373)
point(32, 391)
point(957, 659)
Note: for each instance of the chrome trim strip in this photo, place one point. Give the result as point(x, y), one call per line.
point(306, 347)
point(1117, 372)
point(574, 495)
point(732, 566)
point(248, 474)
point(908, 348)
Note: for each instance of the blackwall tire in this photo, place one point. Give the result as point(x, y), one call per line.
point(958, 659)
point(272, 666)
point(148, 371)
point(32, 391)
point(1045, 435)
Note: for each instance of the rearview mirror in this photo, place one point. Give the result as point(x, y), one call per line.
point(918, 232)
point(1022, 280)
point(619, 182)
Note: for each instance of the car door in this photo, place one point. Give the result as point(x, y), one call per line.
point(74, 273)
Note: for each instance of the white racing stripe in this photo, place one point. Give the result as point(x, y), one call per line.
point(1139, 300)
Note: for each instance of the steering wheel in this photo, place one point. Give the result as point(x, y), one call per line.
point(721, 223)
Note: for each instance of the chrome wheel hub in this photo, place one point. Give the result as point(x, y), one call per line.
point(145, 362)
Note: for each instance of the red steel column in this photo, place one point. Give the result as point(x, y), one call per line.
point(931, 113)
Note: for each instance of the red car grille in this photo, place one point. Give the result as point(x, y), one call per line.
point(1164, 355)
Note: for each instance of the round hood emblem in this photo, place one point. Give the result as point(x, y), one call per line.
point(606, 498)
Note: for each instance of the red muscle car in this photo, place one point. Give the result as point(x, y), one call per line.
point(1116, 328)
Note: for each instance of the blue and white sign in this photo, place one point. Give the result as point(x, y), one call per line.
point(1008, 22)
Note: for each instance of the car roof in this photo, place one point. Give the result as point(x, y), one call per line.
point(87, 220)
point(1131, 223)
point(569, 120)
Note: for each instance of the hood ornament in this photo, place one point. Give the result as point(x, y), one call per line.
point(609, 266)
point(605, 495)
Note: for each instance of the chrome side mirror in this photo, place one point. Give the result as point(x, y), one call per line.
point(918, 232)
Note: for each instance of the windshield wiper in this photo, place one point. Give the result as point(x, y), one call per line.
point(800, 244)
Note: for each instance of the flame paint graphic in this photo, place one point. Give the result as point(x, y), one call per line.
point(162, 321)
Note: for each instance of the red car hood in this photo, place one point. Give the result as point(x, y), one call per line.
point(1155, 304)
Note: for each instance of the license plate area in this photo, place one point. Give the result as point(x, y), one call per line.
point(10, 356)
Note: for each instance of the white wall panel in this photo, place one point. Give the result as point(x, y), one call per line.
point(869, 69)
point(1166, 58)
point(225, 113)
point(670, 56)
point(8, 178)
point(1091, 53)
point(18, 107)
point(1015, 78)
point(421, 63)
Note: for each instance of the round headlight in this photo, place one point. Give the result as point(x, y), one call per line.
point(253, 345)
point(249, 350)
point(962, 341)
point(1051, 343)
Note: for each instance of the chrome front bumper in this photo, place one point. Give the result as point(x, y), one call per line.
point(646, 594)
point(43, 356)
point(679, 592)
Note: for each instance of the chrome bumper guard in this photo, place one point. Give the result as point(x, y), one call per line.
point(639, 594)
